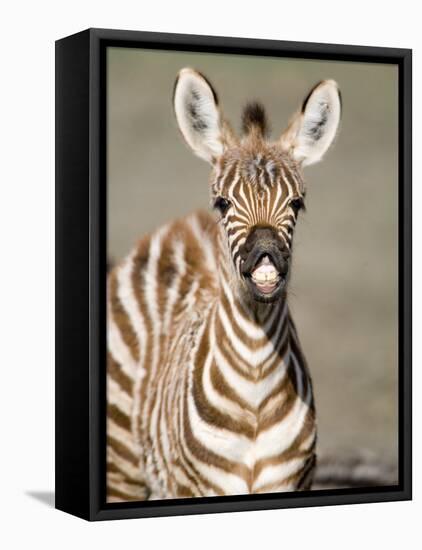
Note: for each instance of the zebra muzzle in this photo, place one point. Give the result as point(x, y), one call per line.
point(265, 264)
point(267, 278)
point(265, 275)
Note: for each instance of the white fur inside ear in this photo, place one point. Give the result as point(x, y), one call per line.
point(319, 122)
point(198, 115)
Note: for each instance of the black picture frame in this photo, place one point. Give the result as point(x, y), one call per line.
point(81, 268)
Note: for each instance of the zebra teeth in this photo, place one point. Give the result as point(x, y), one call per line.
point(265, 272)
point(265, 277)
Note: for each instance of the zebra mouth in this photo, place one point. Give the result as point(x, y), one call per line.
point(265, 275)
point(265, 279)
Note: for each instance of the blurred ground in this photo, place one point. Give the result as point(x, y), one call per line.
point(344, 283)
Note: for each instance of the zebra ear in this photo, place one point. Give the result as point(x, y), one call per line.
point(198, 116)
point(313, 129)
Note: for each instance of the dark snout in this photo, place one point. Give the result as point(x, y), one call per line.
point(265, 263)
point(261, 241)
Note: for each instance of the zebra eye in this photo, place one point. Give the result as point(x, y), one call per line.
point(297, 204)
point(222, 204)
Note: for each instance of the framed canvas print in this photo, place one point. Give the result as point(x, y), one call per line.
point(233, 229)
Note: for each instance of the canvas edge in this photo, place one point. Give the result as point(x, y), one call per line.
point(93, 506)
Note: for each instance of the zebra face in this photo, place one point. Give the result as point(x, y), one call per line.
point(258, 192)
point(256, 185)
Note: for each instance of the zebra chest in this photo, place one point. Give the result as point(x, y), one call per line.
point(212, 430)
point(253, 442)
point(204, 451)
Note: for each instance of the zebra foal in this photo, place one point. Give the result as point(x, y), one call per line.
point(208, 392)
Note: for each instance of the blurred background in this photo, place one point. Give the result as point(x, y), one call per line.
point(344, 285)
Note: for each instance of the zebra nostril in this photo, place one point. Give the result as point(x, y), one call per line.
point(246, 249)
point(244, 253)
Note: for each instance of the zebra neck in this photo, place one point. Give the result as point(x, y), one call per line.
point(253, 337)
point(251, 334)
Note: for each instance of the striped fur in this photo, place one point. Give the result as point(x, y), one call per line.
point(208, 390)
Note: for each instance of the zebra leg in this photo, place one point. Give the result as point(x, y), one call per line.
point(307, 474)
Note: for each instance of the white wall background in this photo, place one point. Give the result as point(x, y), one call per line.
point(27, 276)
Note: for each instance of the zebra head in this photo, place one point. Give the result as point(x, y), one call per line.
point(257, 185)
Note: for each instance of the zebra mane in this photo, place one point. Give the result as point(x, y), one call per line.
point(255, 118)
